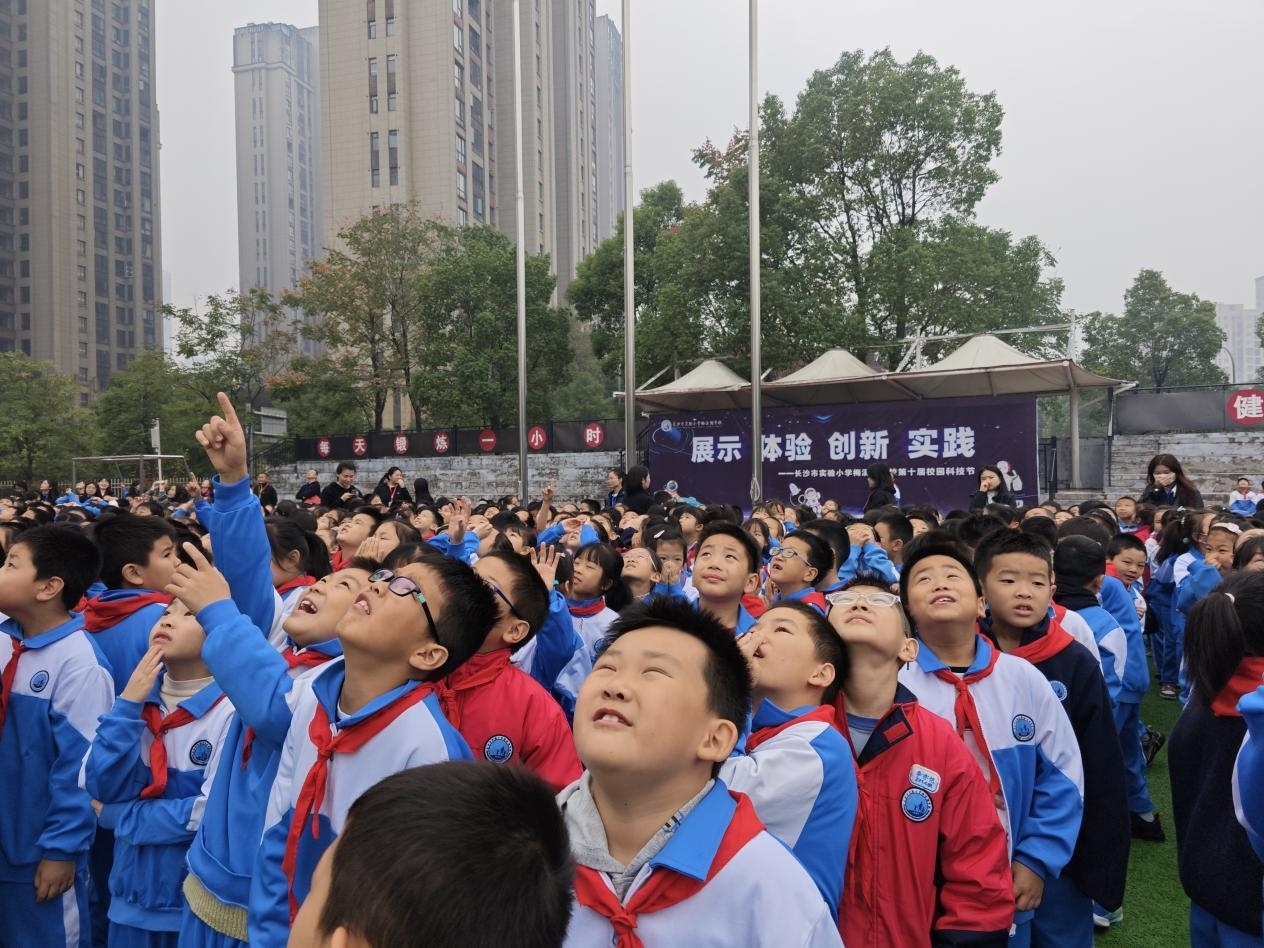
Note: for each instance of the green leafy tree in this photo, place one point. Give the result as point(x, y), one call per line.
point(321, 396)
point(466, 371)
point(151, 389)
point(235, 344)
point(41, 426)
point(1163, 338)
point(366, 300)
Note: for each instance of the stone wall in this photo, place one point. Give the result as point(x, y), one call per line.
point(1213, 460)
point(577, 475)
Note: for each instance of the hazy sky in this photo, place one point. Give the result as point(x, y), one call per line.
point(1133, 132)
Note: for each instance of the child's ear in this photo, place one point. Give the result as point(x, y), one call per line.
point(751, 585)
point(908, 650)
point(516, 632)
point(810, 575)
point(823, 675)
point(131, 574)
point(1096, 585)
point(48, 590)
point(718, 742)
point(341, 938)
point(428, 657)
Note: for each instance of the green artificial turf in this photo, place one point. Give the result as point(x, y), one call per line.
point(1156, 910)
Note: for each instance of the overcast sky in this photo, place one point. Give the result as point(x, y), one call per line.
point(1133, 132)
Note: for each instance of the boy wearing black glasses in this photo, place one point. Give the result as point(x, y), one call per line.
point(801, 562)
point(359, 719)
point(928, 863)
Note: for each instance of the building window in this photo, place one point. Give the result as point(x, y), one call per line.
point(458, 37)
point(461, 217)
point(392, 101)
point(458, 76)
point(460, 185)
point(459, 110)
point(390, 26)
point(460, 150)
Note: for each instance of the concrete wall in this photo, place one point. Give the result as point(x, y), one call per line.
point(1213, 460)
point(576, 475)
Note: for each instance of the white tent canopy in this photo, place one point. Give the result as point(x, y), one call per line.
point(709, 386)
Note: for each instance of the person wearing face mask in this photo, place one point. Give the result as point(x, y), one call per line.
point(1168, 486)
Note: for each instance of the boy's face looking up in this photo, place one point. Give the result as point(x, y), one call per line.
point(178, 633)
point(1018, 588)
point(19, 589)
point(316, 615)
point(1125, 509)
point(1129, 564)
point(864, 624)
point(789, 568)
point(941, 593)
point(508, 629)
point(644, 714)
point(157, 571)
point(722, 571)
point(638, 565)
point(785, 661)
point(388, 626)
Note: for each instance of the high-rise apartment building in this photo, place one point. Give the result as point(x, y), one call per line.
point(574, 135)
point(79, 214)
point(1241, 358)
point(280, 217)
point(609, 173)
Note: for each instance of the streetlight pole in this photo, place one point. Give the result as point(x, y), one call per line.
point(629, 246)
point(756, 370)
point(520, 203)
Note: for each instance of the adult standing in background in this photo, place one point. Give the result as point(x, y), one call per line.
point(614, 487)
point(636, 487)
point(1168, 486)
point(309, 491)
point(343, 489)
point(265, 492)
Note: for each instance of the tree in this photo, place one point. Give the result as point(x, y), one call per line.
point(366, 300)
point(41, 426)
point(236, 344)
point(151, 389)
point(321, 396)
point(1163, 339)
point(466, 371)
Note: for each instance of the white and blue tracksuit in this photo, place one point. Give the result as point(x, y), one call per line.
point(1112, 643)
point(61, 687)
point(556, 656)
point(1033, 749)
point(1120, 601)
point(1248, 771)
point(1201, 579)
point(420, 735)
point(152, 836)
point(802, 782)
point(870, 559)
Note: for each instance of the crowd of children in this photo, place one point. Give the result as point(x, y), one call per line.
point(374, 721)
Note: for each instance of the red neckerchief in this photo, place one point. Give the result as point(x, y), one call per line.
point(298, 582)
point(477, 671)
point(311, 795)
point(158, 725)
point(588, 607)
point(336, 562)
point(1245, 679)
point(294, 658)
point(754, 604)
point(824, 713)
point(6, 680)
point(99, 616)
point(665, 887)
point(965, 711)
point(1045, 647)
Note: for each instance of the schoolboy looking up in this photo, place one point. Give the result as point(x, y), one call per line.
point(797, 769)
point(53, 688)
point(138, 557)
point(153, 755)
point(663, 847)
point(800, 561)
point(835, 534)
point(726, 569)
point(412, 868)
point(400, 635)
point(927, 817)
point(1005, 711)
point(1016, 571)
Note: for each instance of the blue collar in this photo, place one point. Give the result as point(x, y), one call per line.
point(327, 686)
point(55, 634)
point(745, 621)
point(771, 715)
point(197, 704)
point(693, 846)
point(928, 661)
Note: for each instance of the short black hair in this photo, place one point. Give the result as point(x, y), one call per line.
point(344, 466)
point(820, 556)
point(976, 526)
point(935, 543)
point(900, 527)
point(663, 533)
point(1007, 542)
point(1085, 526)
point(527, 592)
point(1125, 541)
point(125, 539)
point(427, 851)
point(833, 533)
point(1041, 526)
point(1077, 561)
point(726, 673)
point(62, 551)
point(722, 528)
point(828, 646)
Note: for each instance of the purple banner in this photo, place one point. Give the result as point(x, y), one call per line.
point(934, 447)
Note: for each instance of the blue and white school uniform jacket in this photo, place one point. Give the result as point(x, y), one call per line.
point(420, 735)
point(1112, 645)
point(257, 680)
point(1078, 629)
point(1121, 602)
point(592, 629)
point(556, 656)
point(125, 643)
point(802, 782)
point(61, 687)
point(151, 837)
point(1033, 748)
point(762, 898)
point(1248, 771)
point(869, 558)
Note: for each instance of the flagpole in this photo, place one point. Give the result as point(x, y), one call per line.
point(629, 272)
point(756, 370)
point(520, 200)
